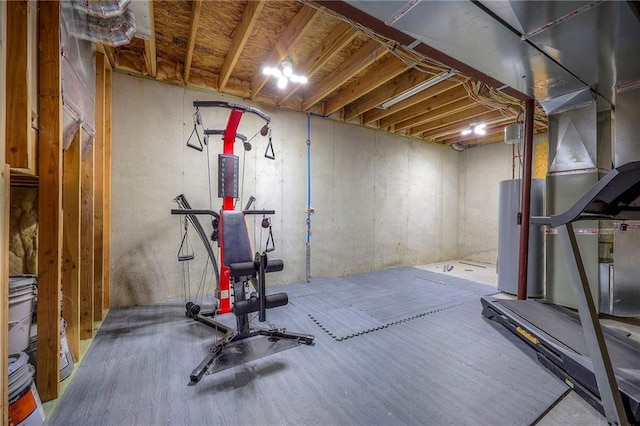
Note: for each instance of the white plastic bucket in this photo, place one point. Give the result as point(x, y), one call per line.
point(20, 309)
point(66, 357)
point(25, 408)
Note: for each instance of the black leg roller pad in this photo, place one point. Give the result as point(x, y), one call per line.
point(243, 307)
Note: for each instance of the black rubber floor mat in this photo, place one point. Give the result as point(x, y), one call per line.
point(365, 303)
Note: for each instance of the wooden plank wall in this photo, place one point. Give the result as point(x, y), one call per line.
point(66, 238)
point(50, 200)
point(107, 187)
point(18, 111)
point(71, 244)
point(4, 228)
point(4, 281)
point(86, 242)
point(71, 256)
point(98, 178)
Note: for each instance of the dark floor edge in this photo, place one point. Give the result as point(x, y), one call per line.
point(552, 406)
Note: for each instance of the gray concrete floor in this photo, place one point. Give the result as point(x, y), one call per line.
point(572, 409)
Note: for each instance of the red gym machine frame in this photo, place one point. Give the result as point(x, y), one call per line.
point(229, 137)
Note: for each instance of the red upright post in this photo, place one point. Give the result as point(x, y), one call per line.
point(227, 204)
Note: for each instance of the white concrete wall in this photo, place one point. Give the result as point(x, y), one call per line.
point(480, 171)
point(381, 200)
point(481, 168)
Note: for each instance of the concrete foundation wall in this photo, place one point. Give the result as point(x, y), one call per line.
point(481, 169)
point(380, 200)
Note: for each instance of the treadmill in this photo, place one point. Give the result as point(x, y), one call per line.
point(601, 364)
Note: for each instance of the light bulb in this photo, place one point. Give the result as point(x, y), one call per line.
point(465, 132)
point(267, 71)
point(287, 69)
point(282, 82)
point(294, 78)
point(480, 129)
point(302, 79)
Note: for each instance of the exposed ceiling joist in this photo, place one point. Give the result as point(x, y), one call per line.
point(342, 35)
point(494, 133)
point(397, 86)
point(457, 122)
point(391, 68)
point(350, 69)
point(370, 52)
point(240, 37)
point(150, 45)
point(289, 37)
point(434, 114)
point(425, 107)
point(377, 114)
point(196, 6)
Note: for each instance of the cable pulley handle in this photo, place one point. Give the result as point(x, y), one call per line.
point(185, 239)
point(191, 145)
point(270, 155)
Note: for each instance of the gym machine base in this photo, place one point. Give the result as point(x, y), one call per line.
point(575, 347)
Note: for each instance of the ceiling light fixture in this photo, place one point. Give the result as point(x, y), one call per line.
point(478, 129)
point(419, 88)
point(284, 74)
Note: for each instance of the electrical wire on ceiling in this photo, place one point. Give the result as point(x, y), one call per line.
point(478, 91)
point(497, 100)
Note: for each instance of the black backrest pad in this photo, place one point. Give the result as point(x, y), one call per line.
point(236, 245)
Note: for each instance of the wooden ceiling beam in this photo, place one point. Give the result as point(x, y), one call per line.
point(150, 45)
point(423, 108)
point(377, 114)
point(461, 121)
point(196, 7)
point(298, 26)
point(494, 134)
point(440, 113)
point(361, 59)
point(459, 106)
point(240, 37)
point(397, 86)
point(463, 116)
point(384, 72)
point(342, 35)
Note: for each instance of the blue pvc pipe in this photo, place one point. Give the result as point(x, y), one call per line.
point(308, 178)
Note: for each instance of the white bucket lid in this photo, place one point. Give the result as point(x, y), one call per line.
point(16, 361)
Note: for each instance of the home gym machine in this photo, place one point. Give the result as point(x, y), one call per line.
point(607, 375)
point(238, 264)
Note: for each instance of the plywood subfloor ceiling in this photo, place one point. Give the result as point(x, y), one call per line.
point(224, 45)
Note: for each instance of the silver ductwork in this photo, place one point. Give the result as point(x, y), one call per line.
point(108, 22)
point(579, 60)
point(543, 49)
point(627, 127)
point(101, 9)
point(584, 143)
